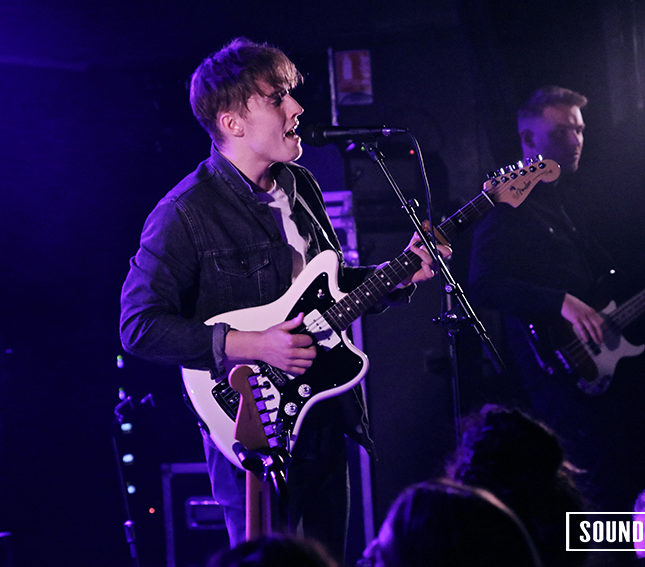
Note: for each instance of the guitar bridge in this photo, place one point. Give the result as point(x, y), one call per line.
point(277, 377)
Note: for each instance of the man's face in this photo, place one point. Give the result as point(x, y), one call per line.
point(269, 126)
point(557, 135)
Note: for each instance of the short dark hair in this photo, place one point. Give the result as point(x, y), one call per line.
point(443, 523)
point(274, 550)
point(226, 79)
point(549, 95)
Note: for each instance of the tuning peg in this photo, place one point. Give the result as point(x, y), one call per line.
point(520, 164)
point(490, 175)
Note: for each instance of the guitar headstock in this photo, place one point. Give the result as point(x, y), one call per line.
point(513, 183)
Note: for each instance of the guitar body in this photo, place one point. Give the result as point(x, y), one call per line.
point(559, 348)
point(283, 399)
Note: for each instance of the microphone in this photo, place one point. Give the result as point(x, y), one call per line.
point(320, 135)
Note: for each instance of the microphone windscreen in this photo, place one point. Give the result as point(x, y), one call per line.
point(314, 135)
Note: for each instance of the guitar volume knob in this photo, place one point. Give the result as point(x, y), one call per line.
point(290, 409)
point(304, 390)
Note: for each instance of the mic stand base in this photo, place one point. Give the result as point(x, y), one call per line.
point(261, 468)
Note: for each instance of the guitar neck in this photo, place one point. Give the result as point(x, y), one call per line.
point(512, 186)
point(461, 219)
point(629, 311)
point(381, 282)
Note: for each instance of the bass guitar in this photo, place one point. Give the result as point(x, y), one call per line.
point(558, 348)
point(281, 399)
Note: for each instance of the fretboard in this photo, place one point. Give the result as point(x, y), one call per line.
point(384, 280)
point(629, 311)
point(381, 282)
point(460, 220)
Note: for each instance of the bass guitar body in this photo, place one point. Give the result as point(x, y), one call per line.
point(558, 348)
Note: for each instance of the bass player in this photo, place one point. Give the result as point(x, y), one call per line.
point(540, 269)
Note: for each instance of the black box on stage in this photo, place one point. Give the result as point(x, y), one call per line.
point(203, 513)
point(193, 522)
point(6, 559)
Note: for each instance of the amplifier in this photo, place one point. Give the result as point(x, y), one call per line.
point(193, 522)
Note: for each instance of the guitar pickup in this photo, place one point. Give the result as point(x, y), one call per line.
point(227, 398)
point(318, 327)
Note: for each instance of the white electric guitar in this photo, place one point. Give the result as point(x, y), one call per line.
point(281, 400)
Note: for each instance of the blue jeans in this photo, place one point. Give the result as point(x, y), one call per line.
point(317, 485)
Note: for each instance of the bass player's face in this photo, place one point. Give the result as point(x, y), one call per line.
point(558, 135)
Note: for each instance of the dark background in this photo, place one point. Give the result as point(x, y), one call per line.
point(95, 127)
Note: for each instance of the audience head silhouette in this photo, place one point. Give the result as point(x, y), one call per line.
point(521, 461)
point(276, 550)
point(441, 524)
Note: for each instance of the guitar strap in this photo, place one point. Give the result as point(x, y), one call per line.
point(302, 201)
point(308, 183)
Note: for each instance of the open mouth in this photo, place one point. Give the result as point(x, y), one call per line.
point(291, 134)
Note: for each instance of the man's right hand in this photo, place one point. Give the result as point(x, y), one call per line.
point(277, 346)
point(586, 321)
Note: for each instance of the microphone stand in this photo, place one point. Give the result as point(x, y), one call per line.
point(270, 464)
point(451, 320)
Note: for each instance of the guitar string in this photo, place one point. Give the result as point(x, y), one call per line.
point(338, 313)
point(371, 290)
point(378, 282)
point(347, 305)
point(461, 213)
point(483, 197)
point(631, 309)
point(455, 220)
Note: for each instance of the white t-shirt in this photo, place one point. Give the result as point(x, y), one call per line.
point(278, 201)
